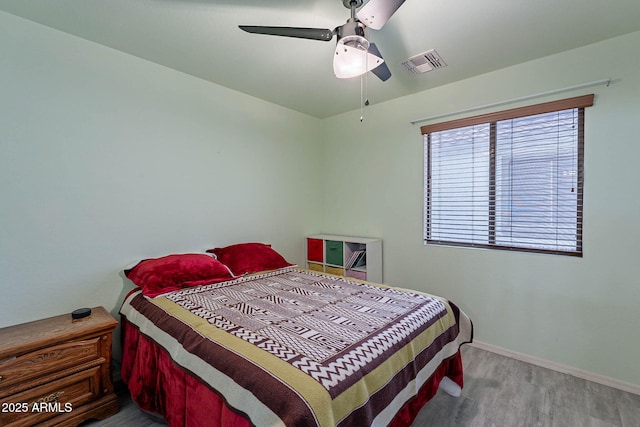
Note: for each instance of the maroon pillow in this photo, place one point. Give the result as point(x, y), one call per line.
point(246, 258)
point(169, 273)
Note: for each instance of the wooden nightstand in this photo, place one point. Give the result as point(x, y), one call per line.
point(57, 370)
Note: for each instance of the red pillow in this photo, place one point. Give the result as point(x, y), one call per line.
point(246, 258)
point(170, 273)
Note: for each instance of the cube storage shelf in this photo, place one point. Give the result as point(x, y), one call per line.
point(357, 257)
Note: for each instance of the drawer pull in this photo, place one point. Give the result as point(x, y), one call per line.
point(52, 398)
point(0, 377)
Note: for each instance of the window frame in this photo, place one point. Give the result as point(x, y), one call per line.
point(579, 102)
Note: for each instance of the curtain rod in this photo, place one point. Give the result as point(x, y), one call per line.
point(522, 98)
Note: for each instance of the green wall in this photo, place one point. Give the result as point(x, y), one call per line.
point(578, 312)
point(106, 159)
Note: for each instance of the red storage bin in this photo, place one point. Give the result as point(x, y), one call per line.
point(315, 250)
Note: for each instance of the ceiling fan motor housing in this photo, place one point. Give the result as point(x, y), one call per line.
point(352, 34)
point(352, 3)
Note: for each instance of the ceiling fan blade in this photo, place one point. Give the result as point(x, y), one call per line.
point(301, 33)
point(381, 71)
point(376, 13)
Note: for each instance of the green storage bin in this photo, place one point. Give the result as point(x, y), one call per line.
point(333, 252)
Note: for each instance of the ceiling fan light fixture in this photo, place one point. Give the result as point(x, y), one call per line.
point(352, 57)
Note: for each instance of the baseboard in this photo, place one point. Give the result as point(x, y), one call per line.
point(559, 367)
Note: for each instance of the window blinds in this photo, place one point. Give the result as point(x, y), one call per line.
point(508, 181)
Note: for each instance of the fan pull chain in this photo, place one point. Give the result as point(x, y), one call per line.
point(361, 99)
point(364, 101)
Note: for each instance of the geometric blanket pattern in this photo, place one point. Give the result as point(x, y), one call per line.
point(328, 327)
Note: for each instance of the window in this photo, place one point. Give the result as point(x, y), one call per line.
point(508, 180)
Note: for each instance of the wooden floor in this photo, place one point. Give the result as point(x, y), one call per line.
point(499, 391)
point(504, 392)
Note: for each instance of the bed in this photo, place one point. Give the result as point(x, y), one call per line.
point(241, 337)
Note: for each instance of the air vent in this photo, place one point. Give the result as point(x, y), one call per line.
point(423, 62)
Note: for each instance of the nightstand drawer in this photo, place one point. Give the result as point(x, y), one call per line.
point(51, 399)
point(51, 359)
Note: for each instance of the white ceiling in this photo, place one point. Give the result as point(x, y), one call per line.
point(201, 38)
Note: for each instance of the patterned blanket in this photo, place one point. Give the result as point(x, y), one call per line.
point(297, 347)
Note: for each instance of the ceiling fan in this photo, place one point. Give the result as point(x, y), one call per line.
point(354, 54)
